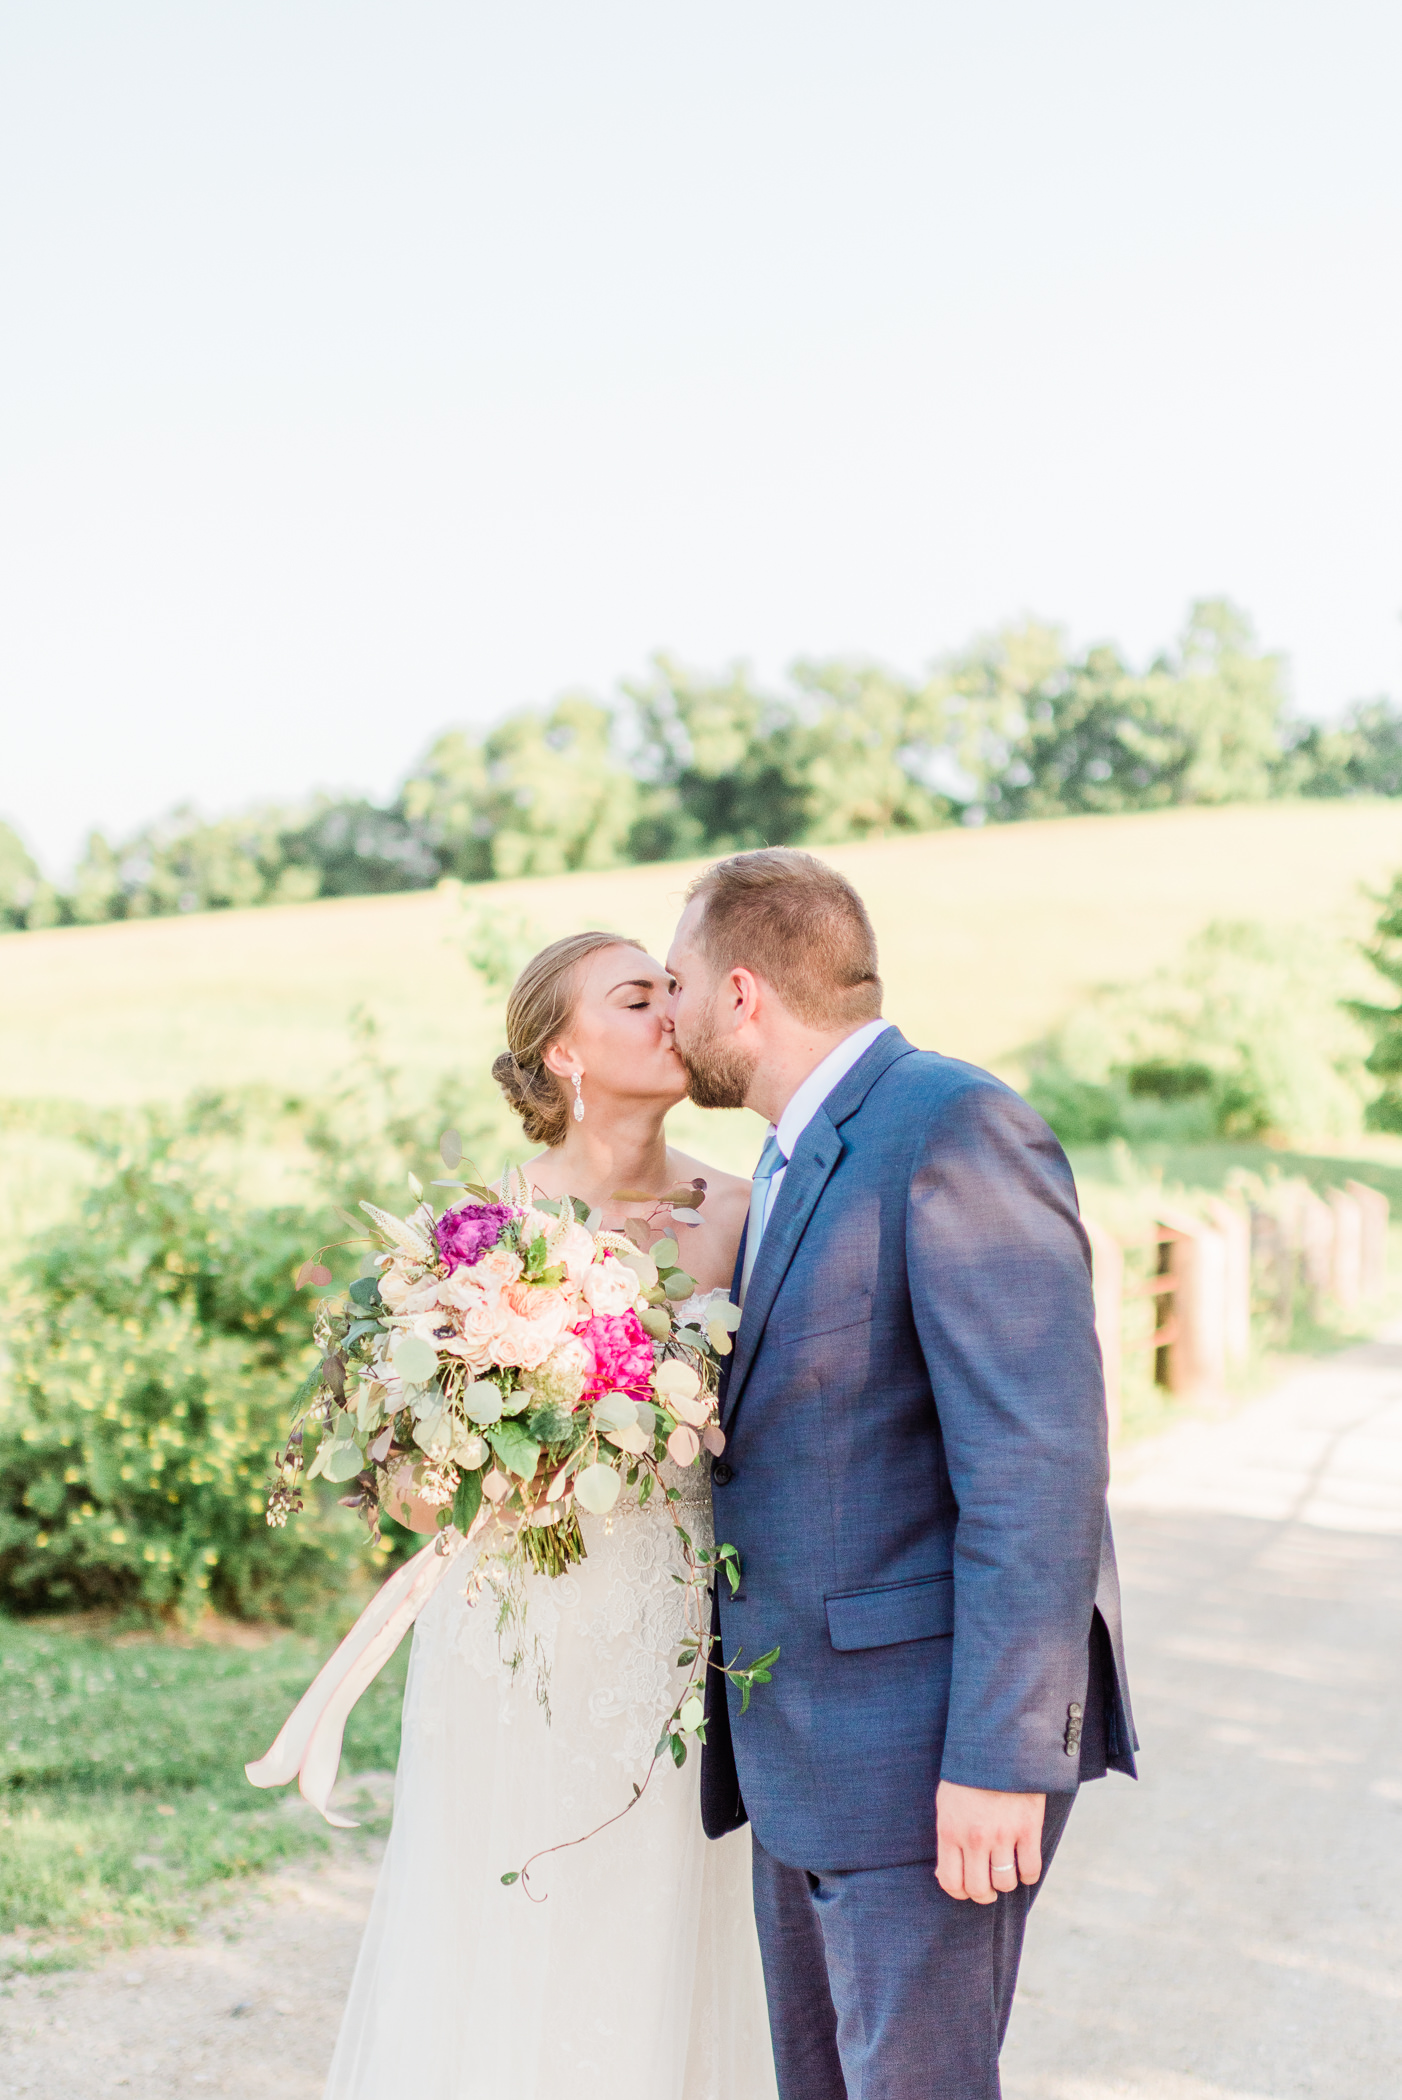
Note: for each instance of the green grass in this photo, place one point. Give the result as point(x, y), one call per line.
point(124, 1801)
point(1101, 1167)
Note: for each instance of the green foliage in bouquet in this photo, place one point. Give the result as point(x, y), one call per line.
point(150, 1343)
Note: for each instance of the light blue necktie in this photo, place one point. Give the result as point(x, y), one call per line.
point(771, 1162)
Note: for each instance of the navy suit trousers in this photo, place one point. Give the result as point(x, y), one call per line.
point(880, 1986)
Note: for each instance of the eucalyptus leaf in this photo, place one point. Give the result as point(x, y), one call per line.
point(665, 1253)
point(415, 1359)
point(428, 1430)
point(343, 1461)
point(450, 1149)
point(468, 1449)
point(614, 1411)
point(482, 1402)
point(596, 1489)
point(369, 1410)
point(517, 1450)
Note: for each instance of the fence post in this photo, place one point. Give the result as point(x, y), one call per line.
point(1108, 1283)
point(1373, 1214)
point(1193, 1360)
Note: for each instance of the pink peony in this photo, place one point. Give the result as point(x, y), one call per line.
point(621, 1351)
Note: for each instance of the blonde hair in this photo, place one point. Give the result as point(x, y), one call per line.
point(800, 926)
point(539, 1008)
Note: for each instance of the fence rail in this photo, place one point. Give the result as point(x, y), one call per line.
point(1210, 1278)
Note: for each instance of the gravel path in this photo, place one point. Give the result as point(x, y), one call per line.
point(1229, 1929)
point(248, 2007)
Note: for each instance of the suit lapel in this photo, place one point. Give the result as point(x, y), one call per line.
point(815, 1155)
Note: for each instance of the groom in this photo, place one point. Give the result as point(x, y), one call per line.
point(915, 1480)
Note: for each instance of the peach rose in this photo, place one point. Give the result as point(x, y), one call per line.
point(497, 1267)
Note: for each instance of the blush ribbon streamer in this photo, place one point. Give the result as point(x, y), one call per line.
point(308, 1745)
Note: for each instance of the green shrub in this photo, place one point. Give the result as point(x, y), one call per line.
point(153, 1345)
point(1245, 1037)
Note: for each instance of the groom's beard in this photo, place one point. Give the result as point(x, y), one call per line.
point(716, 1077)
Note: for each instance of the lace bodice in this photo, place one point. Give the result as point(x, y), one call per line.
point(621, 1604)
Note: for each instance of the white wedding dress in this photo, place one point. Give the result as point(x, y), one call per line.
point(638, 1978)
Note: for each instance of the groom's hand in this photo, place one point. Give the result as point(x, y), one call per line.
point(987, 1842)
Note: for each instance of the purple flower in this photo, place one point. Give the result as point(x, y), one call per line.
point(464, 1235)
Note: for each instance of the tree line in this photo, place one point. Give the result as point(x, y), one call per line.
point(1014, 727)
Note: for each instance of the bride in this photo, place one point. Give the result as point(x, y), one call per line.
point(638, 1978)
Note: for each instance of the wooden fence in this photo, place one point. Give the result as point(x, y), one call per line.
point(1209, 1276)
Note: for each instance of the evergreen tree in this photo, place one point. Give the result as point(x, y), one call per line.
point(1384, 1023)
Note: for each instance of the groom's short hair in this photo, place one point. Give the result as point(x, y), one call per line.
point(799, 925)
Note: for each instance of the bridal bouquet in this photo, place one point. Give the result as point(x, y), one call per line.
point(507, 1365)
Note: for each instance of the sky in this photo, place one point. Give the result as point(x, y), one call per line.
point(368, 368)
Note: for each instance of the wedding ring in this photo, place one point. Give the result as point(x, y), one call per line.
point(1007, 1868)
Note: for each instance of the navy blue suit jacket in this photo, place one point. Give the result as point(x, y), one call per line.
point(914, 1477)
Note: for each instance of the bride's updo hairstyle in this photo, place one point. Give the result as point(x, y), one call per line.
point(540, 1009)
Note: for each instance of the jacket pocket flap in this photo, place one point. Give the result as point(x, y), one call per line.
point(845, 1309)
point(902, 1611)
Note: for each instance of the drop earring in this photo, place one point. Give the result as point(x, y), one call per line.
point(578, 1099)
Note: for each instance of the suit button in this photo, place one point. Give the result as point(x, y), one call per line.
point(721, 1473)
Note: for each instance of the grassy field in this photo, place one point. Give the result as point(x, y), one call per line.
point(987, 937)
point(122, 1757)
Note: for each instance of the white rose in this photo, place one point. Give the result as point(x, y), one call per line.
point(609, 1288)
point(394, 1288)
point(575, 1248)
